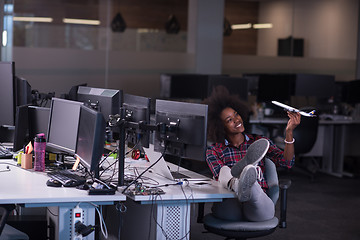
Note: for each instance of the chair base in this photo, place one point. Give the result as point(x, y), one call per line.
point(239, 236)
point(10, 232)
point(239, 230)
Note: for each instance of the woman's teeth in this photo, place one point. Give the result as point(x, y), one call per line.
point(239, 125)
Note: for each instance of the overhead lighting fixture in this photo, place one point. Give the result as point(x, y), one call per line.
point(4, 38)
point(32, 19)
point(262, 25)
point(241, 26)
point(81, 21)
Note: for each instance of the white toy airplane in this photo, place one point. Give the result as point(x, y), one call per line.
point(291, 109)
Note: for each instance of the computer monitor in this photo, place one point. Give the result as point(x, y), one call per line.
point(38, 120)
point(23, 92)
point(350, 92)
point(72, 95)
point(315, 85)
point(137, 109)
point(183, 86)
point(182, 129)
point(106, 101)
point(274, 87)
point(7, 93)
point(63, 126)
point(236, 85)
point(21, 135)
point(90, 139)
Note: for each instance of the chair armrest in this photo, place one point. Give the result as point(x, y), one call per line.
point(284, 184)
point(5, 210)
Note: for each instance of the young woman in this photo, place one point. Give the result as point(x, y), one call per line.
point(228, 160)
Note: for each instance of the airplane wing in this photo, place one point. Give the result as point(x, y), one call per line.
point(292, 109)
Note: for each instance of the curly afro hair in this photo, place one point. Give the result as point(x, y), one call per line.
point(220, 99)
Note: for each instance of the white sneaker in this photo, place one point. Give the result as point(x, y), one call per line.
point(247, 179)
point(254, 154)
point(225, 177)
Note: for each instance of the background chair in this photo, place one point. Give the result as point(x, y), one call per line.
point(8, 232)
point(240, 229)
point(305, 137)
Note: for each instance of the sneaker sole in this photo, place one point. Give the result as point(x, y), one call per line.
point(256, 151)
point(246, 181)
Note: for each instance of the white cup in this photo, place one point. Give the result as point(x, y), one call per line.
point(268, 111)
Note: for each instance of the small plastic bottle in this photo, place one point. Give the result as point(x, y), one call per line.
point(39, 151)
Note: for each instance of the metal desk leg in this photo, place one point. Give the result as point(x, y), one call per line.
point(327, 164)
point(339, 149)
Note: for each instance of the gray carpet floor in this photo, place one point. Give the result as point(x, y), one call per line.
point(325, 208)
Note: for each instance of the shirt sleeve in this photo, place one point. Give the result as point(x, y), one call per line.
point(213, 160)
point(276, 155)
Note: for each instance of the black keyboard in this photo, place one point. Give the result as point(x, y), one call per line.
point(5, 153)
point(68, 178)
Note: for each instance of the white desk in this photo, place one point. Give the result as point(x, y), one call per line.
point(168, 214)
point(28, 188)
point(335, 140)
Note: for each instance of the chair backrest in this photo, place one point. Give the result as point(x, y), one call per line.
point(272, 179)
point(4, 213)
point(305, 134)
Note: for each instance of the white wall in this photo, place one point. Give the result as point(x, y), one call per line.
point(329, 27)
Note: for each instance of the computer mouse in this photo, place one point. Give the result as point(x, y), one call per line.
point(83, 187)
point(53, 183)
point(71, 183)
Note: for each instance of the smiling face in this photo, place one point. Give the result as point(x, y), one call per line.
point(233, 123)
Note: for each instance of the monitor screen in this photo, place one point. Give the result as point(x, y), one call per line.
point(106, 101)
point(182, 129)
point(7, 93)
point(137, 109)
point(275, 87)
point(320, 86)
point(90, 138)
point(63, 125)
point(21, 135)
point(235, 85)
point(38, 120)
point(183, 86)
point(351, 92)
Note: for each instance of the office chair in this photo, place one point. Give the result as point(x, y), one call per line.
point(305, 137)
point(241, 229)
point(8, 232)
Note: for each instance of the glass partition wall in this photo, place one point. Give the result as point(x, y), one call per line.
point(128, 44)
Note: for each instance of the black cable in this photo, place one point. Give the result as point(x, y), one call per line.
point(147, 169)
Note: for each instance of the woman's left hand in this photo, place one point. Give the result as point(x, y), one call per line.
point(294, 120)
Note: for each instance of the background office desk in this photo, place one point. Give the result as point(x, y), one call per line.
point(336, 139)
point(168, 214)
point(28, 188)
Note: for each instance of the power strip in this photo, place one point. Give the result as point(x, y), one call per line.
point(77, 216)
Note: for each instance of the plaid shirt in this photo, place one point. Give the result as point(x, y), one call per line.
point(221, 154)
